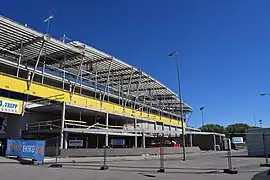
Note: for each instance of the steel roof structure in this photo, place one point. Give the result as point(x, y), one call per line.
point(85, 64)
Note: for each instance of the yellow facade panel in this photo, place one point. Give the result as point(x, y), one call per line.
point(128, 112)
point(118, 109)
point(44, 91)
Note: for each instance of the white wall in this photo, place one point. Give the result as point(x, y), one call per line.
point(166, 128)
point(255, 141)
point(159, 128)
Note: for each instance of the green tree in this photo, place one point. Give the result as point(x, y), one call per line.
point(213, 128)
point(237, 130)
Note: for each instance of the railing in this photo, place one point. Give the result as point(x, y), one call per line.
point(43, 125)
point(56, 124)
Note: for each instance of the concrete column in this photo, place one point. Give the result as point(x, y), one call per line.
point(97, 141)
point(143, 140)
point(135, 138)
point(66, 140)
point(62, 125)
point(107, 135)
point(86, 141)
point(214, 139)
point(191, 139)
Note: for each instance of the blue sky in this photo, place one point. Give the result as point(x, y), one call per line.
point(224, 46)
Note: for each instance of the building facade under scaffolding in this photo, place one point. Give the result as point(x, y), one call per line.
point(71, 92)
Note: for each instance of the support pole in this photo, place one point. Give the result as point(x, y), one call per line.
point(105, 166)
point(108, 81)
point(43, 71)
point(214, 142)
point(129, 85)
point(62, 125)
point(191, 139)
point(161, 154)
point(107, 135)
point(78, 73)
point(64, 71)
point(21, 54)
point(230, 169)
point(36, 65)
point(143, 139)
point(66, 140)
point(180, 105)
point(56, 149)
point(86, 142)
point(136, 137)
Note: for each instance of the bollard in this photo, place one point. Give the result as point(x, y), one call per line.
point(105, 166)
point(266, 164)
point(161, 154)
point(56, 150)
point(230, 169)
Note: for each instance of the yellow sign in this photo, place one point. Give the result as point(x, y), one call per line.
point(11, 106)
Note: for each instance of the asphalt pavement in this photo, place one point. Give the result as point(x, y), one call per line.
point(201, 166)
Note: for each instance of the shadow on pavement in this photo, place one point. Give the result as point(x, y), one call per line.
point(261, 176)
point(145, 170)
point(143, 167)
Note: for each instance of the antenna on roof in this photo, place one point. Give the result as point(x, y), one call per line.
point(64, 38)
point(48, 20)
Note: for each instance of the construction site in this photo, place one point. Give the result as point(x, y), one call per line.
point(77, 97)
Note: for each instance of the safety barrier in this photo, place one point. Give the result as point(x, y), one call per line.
point(32, 149)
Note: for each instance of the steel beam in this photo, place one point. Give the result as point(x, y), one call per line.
point(64, 71)
point(36, 65)
point(107, 82)
point(78, 73)
point(43, 70)
point(115, 70)
point(18, 46)
point(20, 57)
point(132, 90)
point(128, 89)
point(96, 82)
point(138, 86)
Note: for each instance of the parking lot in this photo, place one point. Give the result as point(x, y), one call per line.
point(202, 166)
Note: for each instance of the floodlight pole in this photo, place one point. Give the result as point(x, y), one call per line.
point(181, 105)
point(202, 108)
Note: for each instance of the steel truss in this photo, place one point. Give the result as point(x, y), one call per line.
point(81, 66)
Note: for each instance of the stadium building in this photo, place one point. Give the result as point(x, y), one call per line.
point(68, 91)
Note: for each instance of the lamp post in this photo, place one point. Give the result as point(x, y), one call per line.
point(260, 122)
point(263, 94)
point(181, 105)
point(201, 109)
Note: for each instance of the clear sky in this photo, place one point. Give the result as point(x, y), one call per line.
point(224, 46)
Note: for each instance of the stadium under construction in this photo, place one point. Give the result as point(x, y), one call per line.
point(51, 88)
